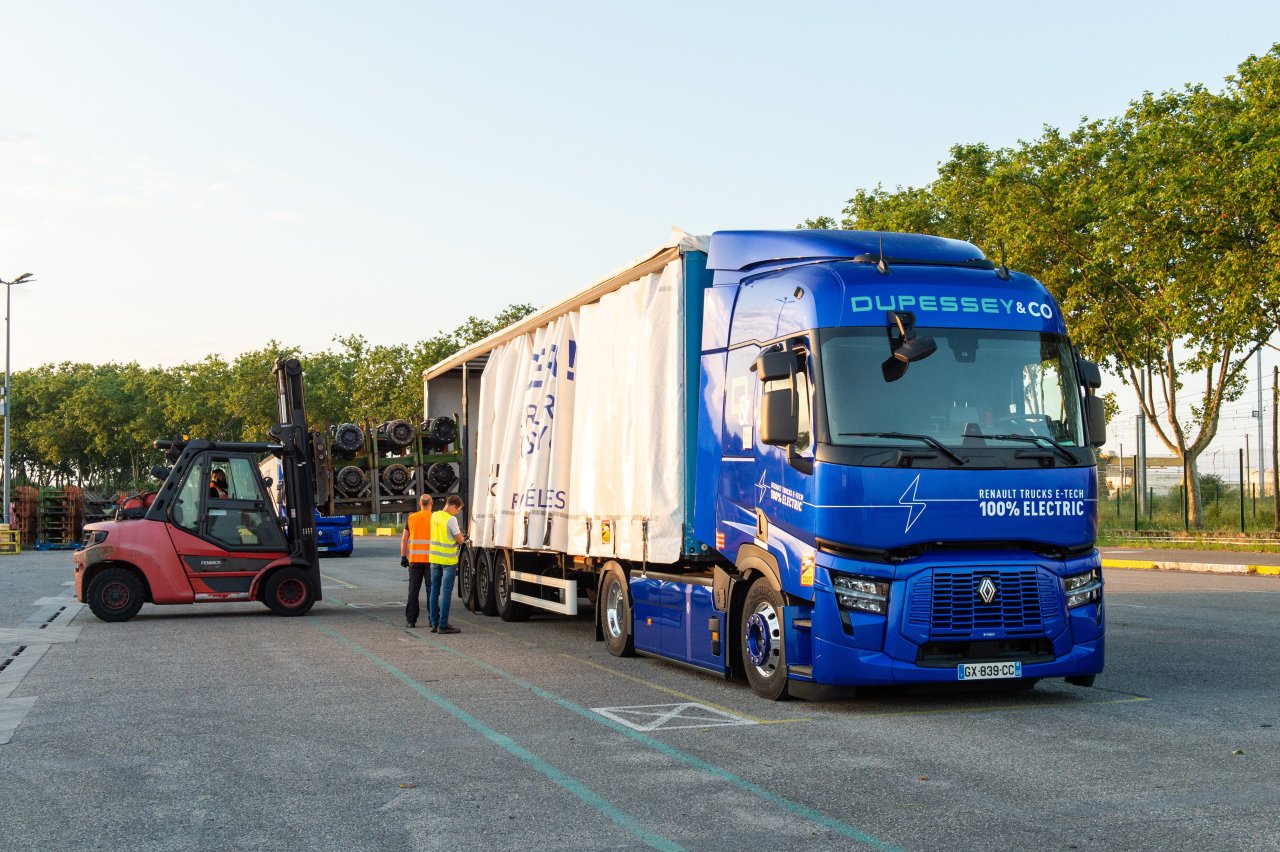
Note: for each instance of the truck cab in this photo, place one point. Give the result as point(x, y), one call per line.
point(334, 535)
point(898, 439)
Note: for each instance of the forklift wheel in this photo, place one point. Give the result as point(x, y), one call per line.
point(289, 592)
point(115, 595)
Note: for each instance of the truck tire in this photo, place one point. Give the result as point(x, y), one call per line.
point(615, 613)
point(289, 592)
point(485, 602)
point(503, 586)
point(467, 561)
point(115, 595)
point(764, 655)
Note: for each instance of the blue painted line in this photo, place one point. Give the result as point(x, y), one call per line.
point(513, 748)
point(803, 811)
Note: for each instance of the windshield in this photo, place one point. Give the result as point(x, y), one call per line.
point(977, 385)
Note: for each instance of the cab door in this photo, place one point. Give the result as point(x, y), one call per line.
point(224, 534)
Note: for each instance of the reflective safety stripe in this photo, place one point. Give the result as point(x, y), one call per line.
point(442, 550)
point(419, 524)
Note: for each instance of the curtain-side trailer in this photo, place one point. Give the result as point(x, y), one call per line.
point(810, 458)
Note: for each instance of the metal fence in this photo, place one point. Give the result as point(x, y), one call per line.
point(1231, 501)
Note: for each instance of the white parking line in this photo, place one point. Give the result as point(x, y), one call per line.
point(666, 717)
point(342, 583)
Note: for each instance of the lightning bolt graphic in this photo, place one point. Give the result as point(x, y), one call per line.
point(915, 507)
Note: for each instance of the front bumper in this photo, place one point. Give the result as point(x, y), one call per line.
point(840, 665)
point(899, 647)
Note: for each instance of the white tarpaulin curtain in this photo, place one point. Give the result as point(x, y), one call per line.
point(580, 445)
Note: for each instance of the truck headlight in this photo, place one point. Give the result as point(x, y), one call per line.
point(1083, 588)
point(865, 594)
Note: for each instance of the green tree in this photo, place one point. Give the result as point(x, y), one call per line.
point(95, 424)
point(1154, 230)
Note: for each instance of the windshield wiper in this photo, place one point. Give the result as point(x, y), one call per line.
point(1036, 439)
point(924, 439)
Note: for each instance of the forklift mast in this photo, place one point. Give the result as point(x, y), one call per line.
point(296, 454)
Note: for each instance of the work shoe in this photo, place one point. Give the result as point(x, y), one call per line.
point(411, 624)
point(434, 629)
point(448, 628)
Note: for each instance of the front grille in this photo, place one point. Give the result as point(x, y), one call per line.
point(950, 604)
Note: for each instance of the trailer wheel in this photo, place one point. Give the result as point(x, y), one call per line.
point(763, 651)
point(467, 561)
point(485, 602)
point(289, 592)
point(503, 586)
point(614, 609)
point(115, 595)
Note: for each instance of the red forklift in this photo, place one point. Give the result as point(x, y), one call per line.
point(211, 532)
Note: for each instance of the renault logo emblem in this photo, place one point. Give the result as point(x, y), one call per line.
point(987, 590)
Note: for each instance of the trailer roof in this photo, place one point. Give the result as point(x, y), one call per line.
point(477, 354)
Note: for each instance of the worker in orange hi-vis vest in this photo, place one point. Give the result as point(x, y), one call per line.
point(415, 554)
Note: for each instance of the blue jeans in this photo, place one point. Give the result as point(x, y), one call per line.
point(440, 594)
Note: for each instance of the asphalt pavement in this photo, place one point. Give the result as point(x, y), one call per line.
point(223, 726)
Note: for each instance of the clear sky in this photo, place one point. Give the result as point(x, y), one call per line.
point(187, 178)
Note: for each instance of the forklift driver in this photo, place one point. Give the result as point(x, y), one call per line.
point(218, 484)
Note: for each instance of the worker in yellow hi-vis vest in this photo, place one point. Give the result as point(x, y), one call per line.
point(415, 554)
point(446, 541)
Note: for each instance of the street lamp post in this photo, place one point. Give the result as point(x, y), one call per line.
point(8, 293)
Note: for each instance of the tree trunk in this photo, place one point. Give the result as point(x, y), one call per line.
point(1191, 486)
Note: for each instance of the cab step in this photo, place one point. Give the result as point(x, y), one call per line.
point(802, 624)
point(800, 671)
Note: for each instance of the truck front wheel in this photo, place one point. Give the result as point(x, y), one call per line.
point(760, 637)
point(289, 592)
point(115, 595)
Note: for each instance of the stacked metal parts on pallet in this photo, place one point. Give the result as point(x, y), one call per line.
point(384, 468)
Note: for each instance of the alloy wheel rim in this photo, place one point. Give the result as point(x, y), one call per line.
point(613, 611)
point(764, 639)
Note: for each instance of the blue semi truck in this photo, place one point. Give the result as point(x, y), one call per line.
point(805, 458)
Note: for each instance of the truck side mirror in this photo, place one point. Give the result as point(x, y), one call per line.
point(1090, 375)
point(775, 365)
point(779, 411)
point(779, 417)
point(1095, 421)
